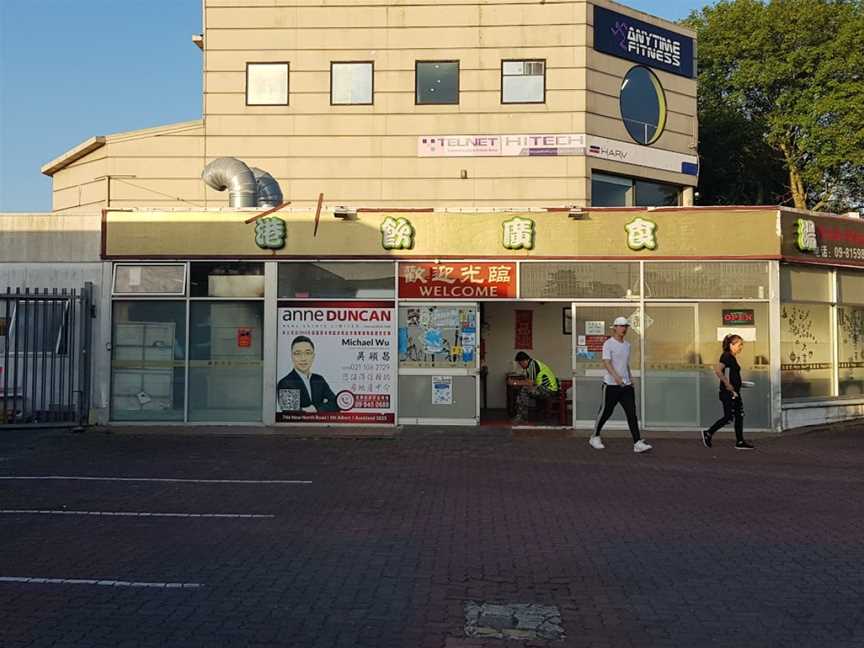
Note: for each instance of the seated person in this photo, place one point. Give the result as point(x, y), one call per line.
point(538, 384)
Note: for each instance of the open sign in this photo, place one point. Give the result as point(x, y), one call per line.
point(738, 317)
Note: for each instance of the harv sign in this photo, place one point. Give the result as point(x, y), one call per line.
point(632, 39)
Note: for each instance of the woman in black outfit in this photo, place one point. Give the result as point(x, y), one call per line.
point(729, 372)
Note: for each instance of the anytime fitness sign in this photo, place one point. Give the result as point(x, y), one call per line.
point(632, 39)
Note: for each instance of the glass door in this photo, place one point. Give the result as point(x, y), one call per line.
point(673, 366)
point(439, 363)
point(591, 327)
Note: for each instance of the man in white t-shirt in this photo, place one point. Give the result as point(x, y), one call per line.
point(618, 386)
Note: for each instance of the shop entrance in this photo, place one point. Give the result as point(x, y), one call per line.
point(540, 329)
point(591, 327)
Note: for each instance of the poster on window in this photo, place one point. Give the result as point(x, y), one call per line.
point(336, 362)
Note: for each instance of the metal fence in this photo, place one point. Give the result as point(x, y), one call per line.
point(45, 357)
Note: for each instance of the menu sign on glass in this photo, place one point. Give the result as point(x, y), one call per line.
point(457, 280)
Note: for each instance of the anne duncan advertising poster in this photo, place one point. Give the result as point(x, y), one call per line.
point(336, 362)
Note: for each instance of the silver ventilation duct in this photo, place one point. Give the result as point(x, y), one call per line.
point(232, 174)
point(269, 192)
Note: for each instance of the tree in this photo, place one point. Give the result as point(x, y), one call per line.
point(781, 87)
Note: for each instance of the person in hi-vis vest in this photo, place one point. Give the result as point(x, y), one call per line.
point(538, 384)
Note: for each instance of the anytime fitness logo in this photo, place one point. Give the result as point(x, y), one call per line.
point(647, 43)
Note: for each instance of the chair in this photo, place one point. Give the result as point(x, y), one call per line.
point(561, 405)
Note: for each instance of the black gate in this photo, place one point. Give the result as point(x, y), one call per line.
point(45, 357)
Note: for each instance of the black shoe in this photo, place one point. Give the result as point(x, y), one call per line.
point(706, 438)
point(744, 445)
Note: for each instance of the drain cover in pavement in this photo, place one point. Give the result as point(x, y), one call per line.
point(514, 621)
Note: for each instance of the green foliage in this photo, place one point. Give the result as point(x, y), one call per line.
point(781, 88)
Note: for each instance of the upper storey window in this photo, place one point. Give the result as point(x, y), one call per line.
point(437, 82)
point(267, 84)
point(643, 105)
point(523, 81)
point(351, 83)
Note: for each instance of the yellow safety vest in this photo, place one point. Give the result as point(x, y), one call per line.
point(546, 372)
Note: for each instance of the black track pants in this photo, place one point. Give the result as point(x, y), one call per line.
point(612, 395)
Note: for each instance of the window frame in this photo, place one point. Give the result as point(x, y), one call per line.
point(538, 60)
point(287, 65)
point(417, 64)
point(371, 101)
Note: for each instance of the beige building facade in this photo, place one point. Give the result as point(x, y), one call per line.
point(338, 98)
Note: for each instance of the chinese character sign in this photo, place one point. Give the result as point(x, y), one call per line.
point(518, 234)
point(336, 362)
point(397, 234)
point(270, 233)
point(640, 234)
point(806, 235)
point(457, 280)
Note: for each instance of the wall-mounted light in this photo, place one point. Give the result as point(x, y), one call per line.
point(576, 213)
point(463, 174)
point(345, 213)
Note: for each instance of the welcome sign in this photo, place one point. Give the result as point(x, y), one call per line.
point(638, 41)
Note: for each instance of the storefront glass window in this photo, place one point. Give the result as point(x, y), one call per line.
point(804, 284)
point(850, 286)
point(438, 336)
point(656, 194)
point(850, 334)
point(611, 191)
point(150, 279)
point(751, 324)
point(706, 280)
point(148, 360)
point(579, 280)
point(342, 280)
point(225, 359)
point(806, 367)
point(643, 105)
point(850, 351)
point(218, 279)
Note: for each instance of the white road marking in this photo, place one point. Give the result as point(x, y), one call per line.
point(158, 479)
point(131, 514)
point(94, 581)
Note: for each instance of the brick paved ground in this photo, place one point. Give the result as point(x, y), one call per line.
point(685, 547)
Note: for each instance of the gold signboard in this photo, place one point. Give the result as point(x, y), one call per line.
point(626, 233)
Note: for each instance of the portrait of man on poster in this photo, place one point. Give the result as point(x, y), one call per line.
point(301, 390)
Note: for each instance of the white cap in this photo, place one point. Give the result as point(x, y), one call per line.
point(620, 321)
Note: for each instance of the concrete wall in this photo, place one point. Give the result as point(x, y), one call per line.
point(50, 238)
point(154, 167)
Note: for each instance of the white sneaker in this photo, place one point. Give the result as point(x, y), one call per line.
point(596, 442)
point(641, 446)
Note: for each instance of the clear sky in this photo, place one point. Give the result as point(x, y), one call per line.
point(72, 69)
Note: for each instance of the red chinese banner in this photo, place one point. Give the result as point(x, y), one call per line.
point(457, 280)
point(524, 330)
